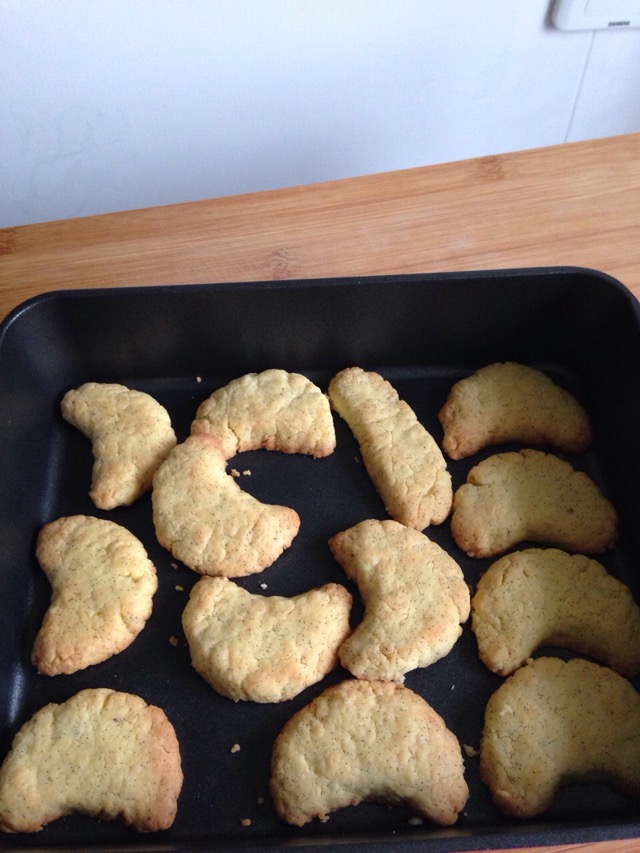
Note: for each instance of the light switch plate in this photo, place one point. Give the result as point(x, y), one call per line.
point(596, 14)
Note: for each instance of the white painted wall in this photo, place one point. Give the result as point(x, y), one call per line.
point(116, 104)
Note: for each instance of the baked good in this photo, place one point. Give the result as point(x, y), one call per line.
point(130, 434)
point(274, 410)
point(507, 401)
point(208, 522)
point(544, 596)
point(103, 753)
point(401, 457)
point(415, 596)
point(264, 648)
point(367, 740)
point(530, 495)
point(555, 723)
point(103, 585)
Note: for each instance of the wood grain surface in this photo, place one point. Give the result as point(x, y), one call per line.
point(575, 204)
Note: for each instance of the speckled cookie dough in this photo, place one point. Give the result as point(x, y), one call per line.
point(367, 740)
point(507, 401)
point(103, 585)
point(544, 596)
point(207, 521)
point(555, 723)
point(130, 433)
point(102, 753)
point(415, 595)
point(404, 462)
point(272, 410)
point(264, 648)
point(530, 495)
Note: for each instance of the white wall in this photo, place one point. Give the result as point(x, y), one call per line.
point(115, 104)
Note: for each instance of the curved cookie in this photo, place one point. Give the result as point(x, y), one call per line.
point(542, 597)
point(507, 401)
point(555, 723)
point(131, 434)
point(264, 648)
point(204, 518)
point(102, 753)
point(274, 410)
point(415, 596)
point(402, 459)
point(367, 740)
point(530, 495)
point(103, 585)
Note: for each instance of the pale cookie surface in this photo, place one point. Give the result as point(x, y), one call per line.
point(530, 495)
point(130, 433)
point(555, 723)
point(544, 596)
point(415, 595)
point(103, 753)
point(208, 522)
point(367, 740)
point(505, 402)
point(274, 410)
point(103, 585)
point(264, 649)
point(401, 457)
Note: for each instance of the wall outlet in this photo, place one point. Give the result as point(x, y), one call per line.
point(596, 14)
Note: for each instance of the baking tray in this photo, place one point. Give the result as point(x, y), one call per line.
point(422, 332)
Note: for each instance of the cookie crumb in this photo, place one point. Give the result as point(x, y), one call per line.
point(263, 586)
point(174, 565)
point(179, 587)
point(246, 821)
point(415, 821)
point(234, 472)
point(470, 751)
point(198, 378)
point(247, 473)
point(173, 640)
point(235, 747)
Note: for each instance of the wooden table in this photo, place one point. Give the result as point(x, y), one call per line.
point(576, 204)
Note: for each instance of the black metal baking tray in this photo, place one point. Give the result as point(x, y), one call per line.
point(422, 332)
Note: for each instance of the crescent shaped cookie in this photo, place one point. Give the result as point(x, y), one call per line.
point(264, 648)
point(507, 401)
point(415, 595)
point(402, 459)
point(102, 753)
point(103, 585)
point(539, 597)
point(367, 740)
point(530, 495)
point(555, 723)
point(274, 410)
point(208, 522)
point(131, 434)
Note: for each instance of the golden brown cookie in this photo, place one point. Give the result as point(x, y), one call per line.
point(264, 648)
point(367, 740)
point(103, 585)
point(103, 753)
point(507, 401)
point(402, 459)
point(544, 596)
point(555, 723)
point(274, 410)
point(131, 434)
point(208, 522)
point(530, 495)
point(415, 596)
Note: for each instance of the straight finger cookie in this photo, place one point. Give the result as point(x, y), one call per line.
point(530, 495)
point(401, 457)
